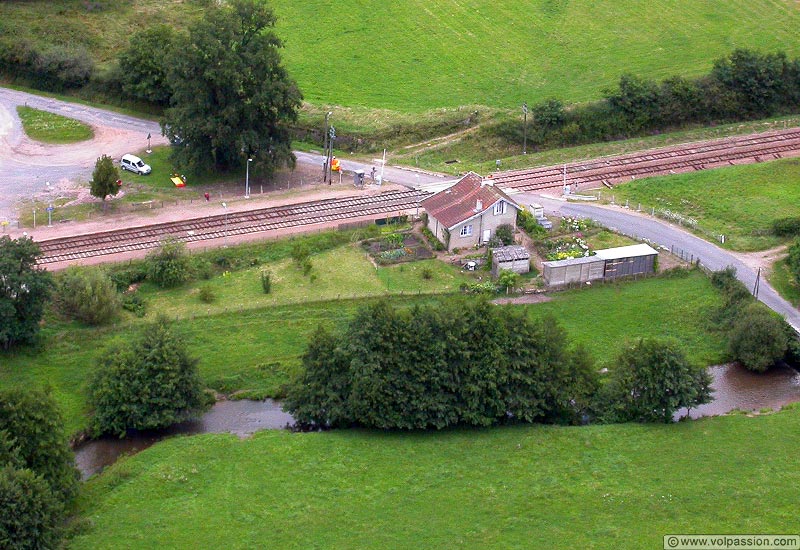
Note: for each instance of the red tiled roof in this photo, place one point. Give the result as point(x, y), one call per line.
point(457, 204)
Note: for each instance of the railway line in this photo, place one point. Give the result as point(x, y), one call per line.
point(667, 160)
point(76, 248)
point(688, 157)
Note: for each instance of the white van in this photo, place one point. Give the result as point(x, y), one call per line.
point(134, 164)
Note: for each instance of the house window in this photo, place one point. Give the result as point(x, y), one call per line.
point(466, 231)
point(499, 208)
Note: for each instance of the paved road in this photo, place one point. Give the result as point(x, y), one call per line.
point(393, 174)
point(26, 166)
point(669, 236)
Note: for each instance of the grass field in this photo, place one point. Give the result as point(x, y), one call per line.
point(739, 202)
point(49, 128)
point(420, 55)
point(415, 56)
point(620, 486)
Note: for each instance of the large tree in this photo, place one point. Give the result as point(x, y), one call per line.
point(31, 513)
point(24, 290)
point(232, 99)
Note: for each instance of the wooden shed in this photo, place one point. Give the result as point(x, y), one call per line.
point(514, 258)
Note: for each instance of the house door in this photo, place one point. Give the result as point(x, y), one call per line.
point(486, 235)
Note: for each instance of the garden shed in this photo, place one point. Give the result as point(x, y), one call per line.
point(572, 270)
point(514, 258)
point(623, 261)
point(606, 264)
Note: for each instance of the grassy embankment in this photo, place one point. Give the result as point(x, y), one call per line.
point(414, 57)
point(740, 202)
point(620, 486)
point(410, 72)
point(49, 128)
point(783, 282)
point(249, 342)
point(478, 152)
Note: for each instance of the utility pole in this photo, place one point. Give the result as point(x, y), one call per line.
point(525, 128)
point(758, 280)
point(326, 159)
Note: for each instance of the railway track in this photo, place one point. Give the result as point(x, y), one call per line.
point(221, 226)
point(688, 157)
point(667, 160)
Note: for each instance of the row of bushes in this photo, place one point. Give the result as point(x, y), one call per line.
point(51, 68)
point(432, 367)
point(469, 362)
point(744, 85)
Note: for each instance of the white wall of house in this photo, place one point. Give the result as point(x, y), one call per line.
point(471, 232)
point(437, 229)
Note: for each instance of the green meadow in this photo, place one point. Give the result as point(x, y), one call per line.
point(600, 487)
point(416, 55)
point(740, 202)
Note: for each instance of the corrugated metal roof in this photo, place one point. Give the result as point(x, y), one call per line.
point(631, 251)
point(511, 253)
point(573, 261)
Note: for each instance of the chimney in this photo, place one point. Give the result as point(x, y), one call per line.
point(478, 205)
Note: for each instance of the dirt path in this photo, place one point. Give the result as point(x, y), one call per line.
point(763, 259)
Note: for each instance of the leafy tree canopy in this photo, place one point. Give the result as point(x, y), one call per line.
point(24, 290)
point(31, 513)
point(758, 338)
point(465, 362)
point(87, 295)
point(143, 66)
point(148, 384)
point(651, 381)
point(232, 98)
point(169, 265)
point(35, 434)
point(104, 178)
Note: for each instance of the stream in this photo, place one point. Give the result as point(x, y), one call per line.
point(242, 418)
point(734, 388)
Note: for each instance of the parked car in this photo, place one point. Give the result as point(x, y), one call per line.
point(134, 164)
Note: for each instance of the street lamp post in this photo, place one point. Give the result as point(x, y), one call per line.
point(247, 180)
point(225, 206)
point(525, 128)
